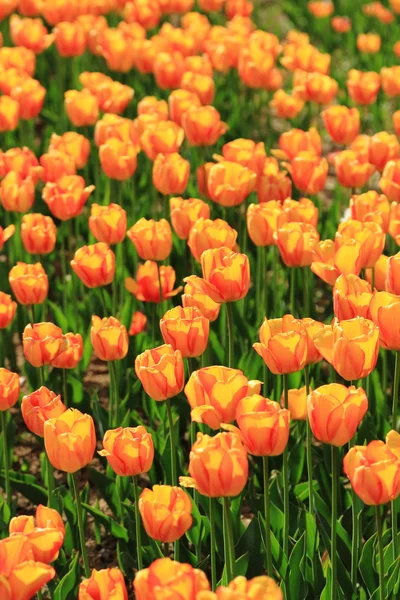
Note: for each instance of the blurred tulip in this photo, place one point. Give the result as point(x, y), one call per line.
point(29, 283)
point(185, 213)
point(240, 587)
point(203, 126)
point(378, 149)
point(161, 372)
point(310, 327)
point(42, 343)
point(45, 533)
point(302, 211)
point(297, 403)
point(352, 169)
point(351, 297)
point(112, 96)
point(170, 173)
point(94, 265)
point(369, 235)
point(38, 233)
point(285, 105)
point(67, 196)
point(138, 323)
point(283, 349)
point(129, 450)
point(320, 9)
point(305, 57)
point(72, 352)
point(7, 310)
point(151, 105)
point(111, 125)
point(314, 87)
point(335, 412)
point(342, 123)
point(9, 113)
point(117, 50)
point(70, 440)
point(9, 388)
point(380, 273)
point(229, 183)
point(201, 85)
point(263, 220)
point(341, 24)
point(6, 234)
point(363, 87)
point(179, 102)
point(185, 329)
point(74, 144)
point(370, 43)
point(392, 276)
point(296, 243)
point(371, 206)
point(23, 161)
point(396, 121)
point(194, 296)
point(247, 153)
point(146, 288)
point(16, 193)
point(168, 68)
point(163, 137)
point(330, 261)
point(384, 310)
point(56, 165)
point(309, 172)
point(206, 234)
point(82, 107)
point(180, 581)
point(108, 223)
point(109, 338)
point(118, 159)
point(166, 512)
point(38, 407)
point(295, 141)
point(273, 185)
point(390, 180)
point(390, 81)
point(105, 581)
point(30, 33)
point(350, 346)
point(30, 96)
point(18, 58)
point(69, 38)
point(152, 239)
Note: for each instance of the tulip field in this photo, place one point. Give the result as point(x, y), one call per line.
point(199, 300)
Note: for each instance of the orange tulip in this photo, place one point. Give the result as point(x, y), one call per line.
point(320, 9)
point(342, 123)
point(166, 512)
point(201, 85)
point(38, 233)
point(384, 309)
point(229, 183)
point(203, 126)
point(161, 372)
point(30, 96)
point(246, 153)
point(94, 265)
point(105, 581)
point(117, 50)
point(111, 126)
point(179, 102)
point(335, 412)
point(185, 213)
point(112, 96)
point(74, 144)
point(69, 38)
point(179, 581)
point(42, 342)
point(380, 273)
point(194, 296)
point(146, 288)
point(392, 277)
point(163, 137)
point(129, 450)
point(206, 234)
point(286, 106)
point(305, 57)
point(369, 235)
point(353, 169)
point(350, 346)
point(18, 58)
point(314, 87)
point(38, 407)
point(7, 310)
point(170, 173)
point(218, 465)
point(341, 24)
point(152, 105)
point(72, 352)
point(82, 107)
point(257, 588)
point(9, 388)
point(351, 297)
point(363, 87)
point(255, 66)
point(30, 33)
point(118, 159)
point(58, 10)
point(9, 113)
point(296, 243)
point(273, 184)
point(374, 472)
point(70, 440)
point(390, 81)
point(109, 338)
point(329, 261)
point(23, 161)
point(29, 283)
point(45, 533)
point(20, 576)
point(297, 403)
point(390, 180)
point(378, 149)
point(16, 193)
point(67, 196)
point(152, 239)
point(263, 221)
point(302, 211)
point(295, 141)
point(213, 394)
point(6, 234)
point(56, 165)
point(370, 43)
point(371, 206)
point(309, 172)
point(138, 323)
point(185, 329)
point(108, 223)
point(168, 68)
point(283, 348)
point(310, 327)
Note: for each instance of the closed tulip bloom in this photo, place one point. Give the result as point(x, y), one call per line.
point(194, 296)
point(30, 95)
point(109, 338)
point(263, 221)
point(320, 9)
point(72, 352)
point(185, 329)
point(38, 233)
point(286, 106)
point(118, 159)
point(374, 472)
point(146, 287)
point(335, 411)
point(168, 68)
point(163, 137)
point(16, 193)
point(138, 323)
point(113, 96)
point(341, 24)
point(246, 153)
point(161, 372)
point(311, 327)
point(6, 234)
point(379, 148)
point(7, 310)
point(9, 113)
point(30, 33)
point(170, 173)
point(297, 403)
point(295, 141)
point(330, 261)
point(273, 184)
point(392, 278)
point(368, 234)
point(69, 38)
point(390, 81)
point(342, 123)
point(166, 512)
point(351, 297)
point(353, 169)
point(213, 394)
point(111, 126)
point(370, 43)
point(309, 172)
point(185, 213)
point(384, 310)
point(371, 206)
point(226, 274)
point(82, 107)
point(152, 239)
point(56, 165)
point(152, 105)
point(258, 588)
point(74, 144)
point(302, 211)
point(200, 84)
point(117, 50)
point(206, 234)
point(67, 196)
point(108, 223)
point(203, 126)
point(179, 102)
point(42, 342)
point(29, 283)
point(105, 583)
point(380, 273)
point(350, 346)
point(70, 440)
point(229, 183)
point(9, 388)
point(39, 407)
point(18, 58)
point(23, 161)
point(165, 576)
point(296, 243)
point(94, 265)
point(390, 180)
point(45, 533)
point(283, 349)
point(314, 87)
point(363, 87)
point(129, 450)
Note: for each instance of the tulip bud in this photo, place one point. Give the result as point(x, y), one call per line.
point(39, 407)
point(29, 283)
point(72, 352)
point(109, 338)
point(179, 581)
point(9, 388)
point(161, 372)
point(152, 239)
point(166, 512)
point(42, 342)
point(129, 451)
point(38, 233)
point(7, 310)
point(94, 265)
point(106, 581)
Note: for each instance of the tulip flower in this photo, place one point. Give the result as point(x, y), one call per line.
point(394, 223)
point(206, 234)
point(314, 87)
point(152, 239)
point(185, 213)
point(30, 95)
point(74, 144)
point(309, 172)
point(138, 323)
point(301, 211)
point(379, 148)
point(273, 185)
point(377, 276)
point(369, 235)
point(305, 57)
point(71, 354)
point(341, 24)
point(146, 287)
point(161, 372)
point(229, 183)
point(45, 533)
point(7, 310)
point(283, 349)
point(56, 165)
point(108, 223)
point(185, 329)
point(29, 283)
point(296, 243)
point(67, 196)
point(152, 105)
point(330, 262)
point(38, 233)
point(226, 274)
point(351, 297)
point(297, 403)
point(40, 406)
point(109, 338)
point(23, 162)
point(181, 581)
point(363, 87)
point(118, 159)
point(164, 137)
point(30, 33)
point(390, 180)
point(285, 105)
point(82, 107)
point(42, 343)
point(166, 512)
point(342, 123)
point(263, 221)
point(245, 152)
point(240, 587)
point(6, 234)
point(9, 389)
point(371, 206)
point(383, 310)
point(194, 296)
point(129, 451)
point(170, 173)
point(17, 193)
point(69, 39)
point(370, 43)
point(168, 68)
point(179, 102)
point(9, 113)
point(390, 81)
point(94, 265)
point(105, 581)
point(295, 141)
point(112, 125)
point(203, 126)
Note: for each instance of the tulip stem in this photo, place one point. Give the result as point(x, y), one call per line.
point(6, 458)
point(65, 393)
point(173, 462)
point(275, 278)
point(160, 290)
point(306, 291)
point(114, 400)
point(50, 483)
point(212, 544)
point(285, 470)
point(80, 525)
point(292, 289)
point(380, 550)
point(229, 548)
point(138, 525)
point(41, 376)
point(309, 448)
point(333, 557)
point(267, 516)
point(394, 424)
point(229, 322)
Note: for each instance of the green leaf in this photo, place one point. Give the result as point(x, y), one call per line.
point(366, 565)
point(68, 585)
point(107, 488)
point(278, 556)
point(297, 584)
point(195, 532)
point(27, 485)
point(311, 536)
point(216, 346)
point(116, 530)
point(59, 317)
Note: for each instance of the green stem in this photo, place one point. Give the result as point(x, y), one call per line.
point(63, 271)
point(286, 524)
point(50, 483)
point(160, 290)
point(213, 544)
point(267, 516)
point(333, 557)
point(115, 413)
point(380, 550)
point(138, 525)
point(65, 388)
point(192, 441)
point(6, 458)
point(230, 548)
point(111, 407)
point(41, 376)
point(275, 277)
point(306, 292)
point(292, 289)
point(309, 448)
point(80, 525)
point(394, 425)
point(172, 440)
point(229, 322)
